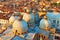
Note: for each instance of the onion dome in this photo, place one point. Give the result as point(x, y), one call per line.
point(12, 18)
point(28, 17)
point(44, 24)
point(20, 26)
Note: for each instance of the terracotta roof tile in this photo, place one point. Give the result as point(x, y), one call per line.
point(3, 17)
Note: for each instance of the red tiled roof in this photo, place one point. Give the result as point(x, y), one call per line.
point(3, 17)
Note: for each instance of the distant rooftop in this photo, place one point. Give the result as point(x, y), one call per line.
point(4, 16)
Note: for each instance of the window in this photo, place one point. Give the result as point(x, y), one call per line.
point(53, 26)
point(57, 22)
point(54, 21)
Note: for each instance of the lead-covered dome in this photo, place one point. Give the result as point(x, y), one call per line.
point(28, 17)
point(44, 23)
point(21, 26)
point(11, 19)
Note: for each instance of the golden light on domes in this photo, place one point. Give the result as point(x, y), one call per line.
point(41, 13)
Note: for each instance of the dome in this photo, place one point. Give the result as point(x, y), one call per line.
point(44, 23)
point(28, 17)
point(11, 19)
point(20, 26)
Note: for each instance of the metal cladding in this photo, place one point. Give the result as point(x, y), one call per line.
point(20, 26)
